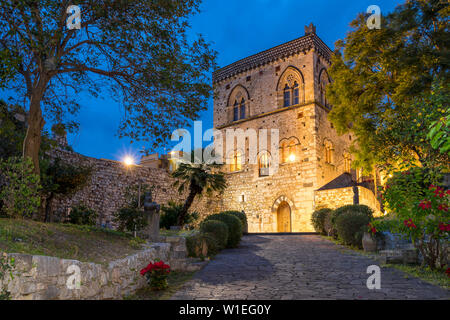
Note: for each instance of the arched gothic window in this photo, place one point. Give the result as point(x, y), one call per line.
point(289, 150)
point(329, 152)
point(236, 162)
point(238, 104)
point(264, 164)
point(291, 89)
point(347, 162)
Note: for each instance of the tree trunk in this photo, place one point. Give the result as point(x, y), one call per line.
point(48, 208)
point(32, 142)
point(186, 206)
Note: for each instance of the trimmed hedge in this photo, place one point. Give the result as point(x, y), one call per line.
point(234, 227)
point(355, 208)
point(241, 216)
point(195, 243)
point(217, 229)
point(350, 227)
point(318, 220)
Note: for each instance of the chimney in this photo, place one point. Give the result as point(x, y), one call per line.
point(311, 29)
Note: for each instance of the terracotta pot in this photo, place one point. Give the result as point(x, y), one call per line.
point(369, 243)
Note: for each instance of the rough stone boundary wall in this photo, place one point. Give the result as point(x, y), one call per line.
point(335, 198)
point(45, 278)
point(105, 192)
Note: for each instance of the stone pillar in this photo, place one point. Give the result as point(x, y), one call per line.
point(151, 211)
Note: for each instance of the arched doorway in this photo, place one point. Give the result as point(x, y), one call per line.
point(284, 217)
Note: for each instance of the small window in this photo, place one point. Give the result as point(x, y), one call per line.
point(264, 165)
point(296, 94)
point(236, 162)
point(287, 96)
point(236, 112)
point(242, 109)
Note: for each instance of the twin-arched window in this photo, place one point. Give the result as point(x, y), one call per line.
point(291, 95)
point(291, 88)
point(239, 110)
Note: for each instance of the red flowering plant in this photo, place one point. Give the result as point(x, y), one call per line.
point(156, 274)
point(418, 209)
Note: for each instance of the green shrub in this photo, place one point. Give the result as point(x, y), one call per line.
point(130, 219)
point(318, 220)
point(82, 215)
point(350, 227)
point(351, 208)
point(170, 213)
point(218, 229)
point(20, 191)
point(234, 227)
point(195, 243)
point(241, 216)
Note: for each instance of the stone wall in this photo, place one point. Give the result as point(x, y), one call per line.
point(105, 191)
point(335, 198)
point(45, 278)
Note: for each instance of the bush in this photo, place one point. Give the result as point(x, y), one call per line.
point(351, 208)
point(350, 227)
point(217, 229)
point(241, 216)
point(234, 227)
point(318, 220)
point(130, 219)
point(170, 213)
point(195, 245)
point(19, 189)
point(82, 215)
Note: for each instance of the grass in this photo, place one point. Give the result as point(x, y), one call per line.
point(180, 233)
point(436, 277)
point(84, 243)
point(175, 280)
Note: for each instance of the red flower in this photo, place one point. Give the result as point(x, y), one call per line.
point(410, 224)
point(443, 207)
point(448, 272)
point(425, 204)
point(444, 227)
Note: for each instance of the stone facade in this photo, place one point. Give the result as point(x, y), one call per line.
point(105, 191)
point(45, 278)
point(251, 94)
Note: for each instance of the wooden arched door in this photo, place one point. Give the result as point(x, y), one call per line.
point(284, 217)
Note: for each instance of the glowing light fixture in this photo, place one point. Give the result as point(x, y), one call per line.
point(292, 158)
point(128, 160)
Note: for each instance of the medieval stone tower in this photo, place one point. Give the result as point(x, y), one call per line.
point(284, 88)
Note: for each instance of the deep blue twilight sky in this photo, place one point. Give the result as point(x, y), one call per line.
point(236, 29)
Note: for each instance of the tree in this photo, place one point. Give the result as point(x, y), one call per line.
point(137, 49)
point(380, 77)
point(197, 178)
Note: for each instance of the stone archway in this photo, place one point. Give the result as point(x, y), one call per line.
point(283, 208)
point(284, 223)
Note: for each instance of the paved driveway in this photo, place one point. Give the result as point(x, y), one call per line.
point(298, 267)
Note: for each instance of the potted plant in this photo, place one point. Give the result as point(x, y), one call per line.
point(369, 240)
point(156, 274)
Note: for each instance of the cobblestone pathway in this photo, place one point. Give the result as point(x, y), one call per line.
point(298, 267)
